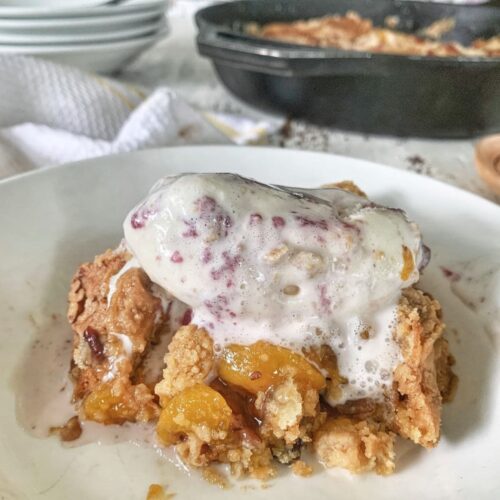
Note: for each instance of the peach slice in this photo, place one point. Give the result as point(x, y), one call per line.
point(195, 407)
point(259, 366)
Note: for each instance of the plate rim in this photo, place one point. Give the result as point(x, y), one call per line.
point(48, 39)
point(75, 48)
point(77, 22)
point(362, 162)
point(93, 21)
point(160, 162)
point(75, 12)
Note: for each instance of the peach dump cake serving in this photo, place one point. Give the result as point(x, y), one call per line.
point(290, 319)
point(353, 32)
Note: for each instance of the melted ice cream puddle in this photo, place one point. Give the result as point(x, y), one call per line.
point(293, 267)
point(45, 402)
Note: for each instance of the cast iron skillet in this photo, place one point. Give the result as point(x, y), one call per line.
point(370, 93)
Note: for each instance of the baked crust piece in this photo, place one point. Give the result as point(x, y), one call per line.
point(111, 340)
point(347, 186)
point(189, 361)
point(358, 446)
point(418, 401)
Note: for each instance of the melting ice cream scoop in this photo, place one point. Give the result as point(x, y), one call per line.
point(291, 266)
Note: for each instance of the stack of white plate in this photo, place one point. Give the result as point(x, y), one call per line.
point(97, 35)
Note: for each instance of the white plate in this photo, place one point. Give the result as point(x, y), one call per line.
point(35, 5)
point(84, 23)
point(72, 36)
point(55, 219)
point(104, 57)
point(63, 8)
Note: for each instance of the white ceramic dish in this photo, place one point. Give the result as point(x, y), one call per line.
point(72, 36)
point(53, 220)
point(34, 5)
point(84, 23)
point(76, 8)
point(103, 57)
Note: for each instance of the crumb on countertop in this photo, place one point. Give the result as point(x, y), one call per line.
point(415, 160)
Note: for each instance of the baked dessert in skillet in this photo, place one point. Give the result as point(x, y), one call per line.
point(353, 32)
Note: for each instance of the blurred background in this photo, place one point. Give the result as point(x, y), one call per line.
point(127, 75)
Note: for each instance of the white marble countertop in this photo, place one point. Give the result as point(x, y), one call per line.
point(176, 63)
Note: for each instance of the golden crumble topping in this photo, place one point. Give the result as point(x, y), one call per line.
point(357, 446)
point(346, 186)
point(189, 361)
point(300, 468)
point(158, 492)
point(213, 476)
